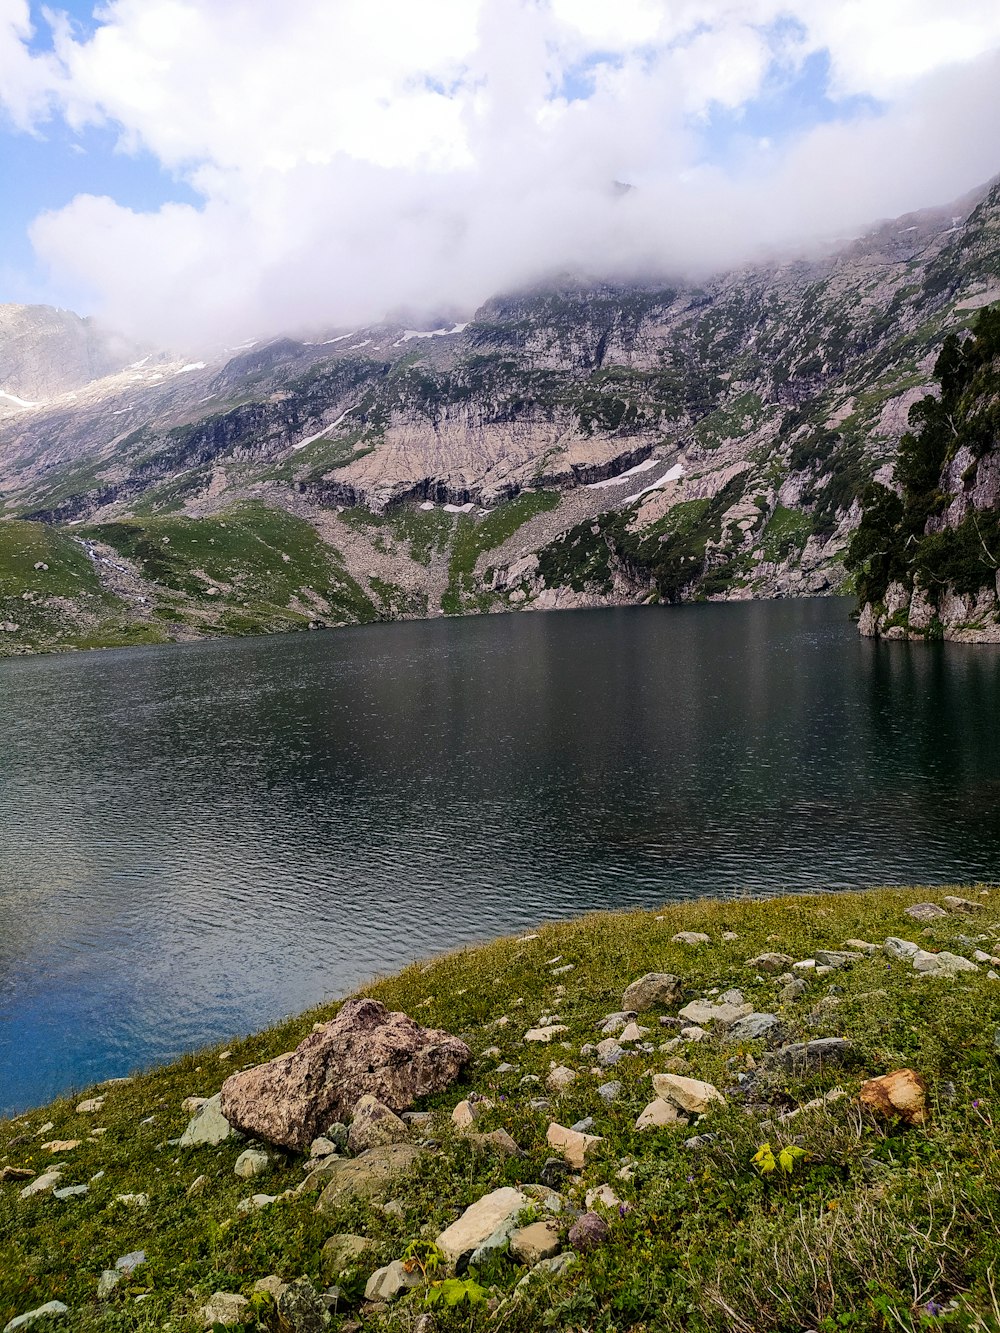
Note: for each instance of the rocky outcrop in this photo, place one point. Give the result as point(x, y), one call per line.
point(364, 1051)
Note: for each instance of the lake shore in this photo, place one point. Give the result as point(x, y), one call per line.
point(874, 1213)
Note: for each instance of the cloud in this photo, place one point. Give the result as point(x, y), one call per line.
point(359, 157)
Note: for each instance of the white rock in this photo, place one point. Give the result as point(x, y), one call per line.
point(491, 1216)
point(690, 937)
point(252, 1162)
point(90, 1105)
point(690, 1094)
point(46, 1311)
point(659, 1114)
point(208, 1125)
point(42, 1184)
point(545, 1034)
point(574, 1145)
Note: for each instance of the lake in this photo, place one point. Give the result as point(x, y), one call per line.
point(200, 839)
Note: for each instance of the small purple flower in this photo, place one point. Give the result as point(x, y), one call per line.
point(976, 1104)
point(933, 1309)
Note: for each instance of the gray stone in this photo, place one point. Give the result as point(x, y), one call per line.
point(584, 1126)
point(962, 905)
point(389, 1283)
point(863, 946)
point(488, 1221)
point(723, 1013)
point(588, 1232)
point(755, 1026)
point(322, 1147)
point(342, 1252)
point(224, 1307)
point(107, 1282)
point(529, 1245)
point(256, 1203)
point(252, 1162)
point(655, 988)
point(836, 957)
point(699, 1141)
point(367, 1176)
point(301, 1309)
point(609, 1092)
point(208, 1125)
point(899, 949)
point(42, 1184)
point(128, 1263)
point(804, 1055)
point(71, 1191)
point(609, 1052)
point(690, 937)
point(794, 990)
point(771, 962)
point(373, 1125)
point(611, 1024)
point(941, 964)
point(924, 911)
point(47, 1311)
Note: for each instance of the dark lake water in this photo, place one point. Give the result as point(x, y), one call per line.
point(197, 840)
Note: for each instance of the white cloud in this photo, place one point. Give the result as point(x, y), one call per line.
point(372, 154)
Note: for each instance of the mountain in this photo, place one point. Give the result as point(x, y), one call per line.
point(46, 352)
point(586, 443)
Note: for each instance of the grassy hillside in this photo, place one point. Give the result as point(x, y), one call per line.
point(875, 1226)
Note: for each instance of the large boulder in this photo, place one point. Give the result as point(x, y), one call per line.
point(364, 1051)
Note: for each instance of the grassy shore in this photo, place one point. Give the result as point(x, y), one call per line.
point(876, 1226)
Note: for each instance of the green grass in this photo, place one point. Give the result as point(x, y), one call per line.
point(474, 536)
point(875, 1222)
point(787, 530)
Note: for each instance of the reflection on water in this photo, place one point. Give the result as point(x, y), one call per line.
point(199, 839)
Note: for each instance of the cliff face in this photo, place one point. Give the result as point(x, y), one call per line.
point(46, 352)
point(927, 552)
point(586, 443)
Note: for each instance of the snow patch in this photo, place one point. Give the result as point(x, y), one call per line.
point(410, 334)
point(428, 504)
point(632, 472)
point(459, 509)
point(20, 402)
point(325, 431)
point(138, 365)
point(672, 474)
point(191, 365)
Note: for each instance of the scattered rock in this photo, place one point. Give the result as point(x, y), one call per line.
point(367, 1176)
point(560, 1078)
point(373, 1125)
point(603, 1195)
point(389, 1283)
point(90, 1105)
point(611, 1024)
point(694, 1033)
point(490, 1220)
point(583, 1126)
point(498, 1140)
point(47, 1311)
point(899, 949)
point(197, 1187)
point(609, 1052)
point(273, 1285)
point(660, 1114)
point(902, 1094)
point(9, 1173)
point(794, 990)
point(342, 1252)
point(755, 1026)
point(941, 964)
point(42, 1184)
point(723, 1014)
point(529, 1245)
point(588, 1232)
point(633, 1032)
point(61, 1145)
point(573, 1145)
point(301, 1309)
point(836, 958)
point(71, 1192)
point(208, 1125)
point(609, 1092)
point(692, 937)
point(252, 1162)
point(544, 1035)
point(689, 1094)
point(224, 1307)
point(365, 1050)
point(962, 905)
point(863, 946)
point(770, 962)
point(924, 911)
point(655, 988)
point(107, 1282)
point(812, 1054)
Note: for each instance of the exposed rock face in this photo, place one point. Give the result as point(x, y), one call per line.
point(365, 1050)
point(901, 1094)
point(44, 351)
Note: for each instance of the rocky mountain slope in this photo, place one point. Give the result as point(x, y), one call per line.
point(585, 444)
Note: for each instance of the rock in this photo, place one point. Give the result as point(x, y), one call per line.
point(560, 1078)
point(706, 1011)
point(770, 962)
point(252, 1162)
point(804, 965)
point(490, 1220)
point(632, 1032)
point(464, 1115)
point(754, 1027)
point(301, 1309)
point(529, 1245)
point(389, 1283)
point(863, 946)
point(611, 1024)
point(373, 1125)
point(9, 1173)
point(962, 904)
point(61, 1145)
point(107, 1282)
point(901, 950)
point(256, 1203)
point(367, 1176)
point(342, 1252)
point(208, 1125)
point(574, 1146)
point(694, 1034)
point(609, 1092)
point(499, 1141)
point(554, 1172)
point(655, 988)
point(588, 1232)
point(191, 1104)
point(224, 1307)
point(699, 1141)
point(197, 1187)
point(836, 958)
point(71, 1192)
point(609, 1052)
point(924, 911)
point(691, 937)
point(320, 1148)
point(47, 1311)
point(689, 1094)
point(603, 1195)
point(42, 1184)
point(365, 1050)
point(941, 964)
point(794, 990)
point(272, 1285)
point(583, 1126)
point(902, 1093)
point(660, 1114)
point(729, 936)
point(89, 1106)
point(544, 1035)
point(676, 1064)
point(803, 1055)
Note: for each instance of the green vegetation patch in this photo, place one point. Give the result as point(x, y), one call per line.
point(474, 536)
point(787, 1206)
point(787, 530)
